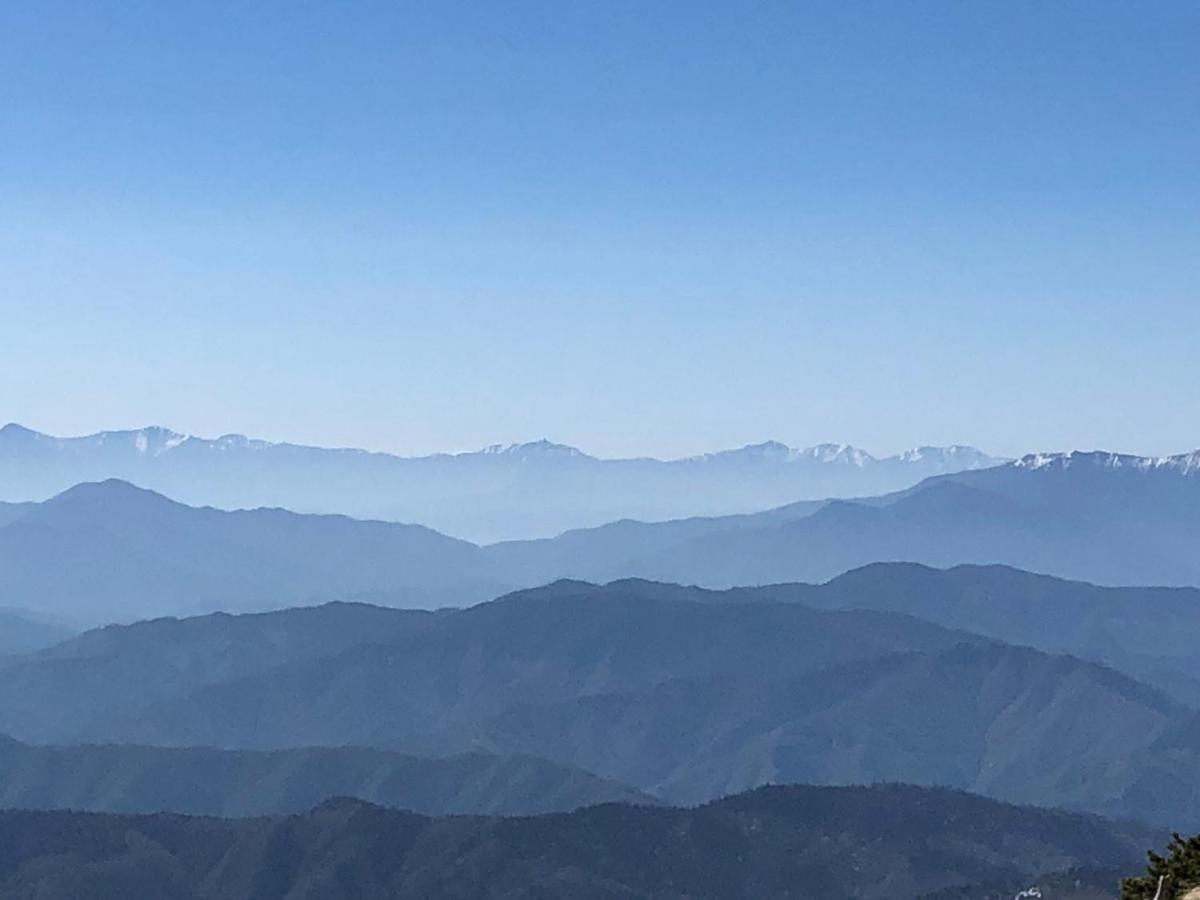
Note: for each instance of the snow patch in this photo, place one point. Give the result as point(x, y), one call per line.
point(1183, 463)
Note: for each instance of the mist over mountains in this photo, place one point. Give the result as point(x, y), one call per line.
point(22, 632)
point(212, 782)
point(114, 552)
point(678, 692)
point(1098, 517)
point(843, 254)
point(535, 489)
point(989, 629)
point(110, 551)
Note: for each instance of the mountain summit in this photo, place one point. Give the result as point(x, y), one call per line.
point(1182, 464)
point(532, 450)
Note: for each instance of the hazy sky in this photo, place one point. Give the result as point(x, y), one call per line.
point(640, 227)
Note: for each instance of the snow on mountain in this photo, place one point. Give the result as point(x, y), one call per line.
point(929, 459)
point(150, 441)
point(771, 451)
point(238, 442)
point(533, 489)
point(956, 457)
point(541, 449)
point(777, 452)
point(1183, 463)
point(154, 440)
point(838, 454)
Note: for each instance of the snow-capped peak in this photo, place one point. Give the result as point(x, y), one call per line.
point(959, 456)
point(238, 442)
point(149, 441)
point(1183, 463)
point(540, 449)
point(842, 454)
point(153, 440)
point(769, 450)
point(777, 452)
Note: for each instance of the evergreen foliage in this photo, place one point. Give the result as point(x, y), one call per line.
point(1180, 869)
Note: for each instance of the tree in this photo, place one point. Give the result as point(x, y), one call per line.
point(1179, 871)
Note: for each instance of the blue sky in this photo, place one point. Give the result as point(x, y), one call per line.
point(636, 227)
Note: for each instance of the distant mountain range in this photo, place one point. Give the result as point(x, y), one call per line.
point(21, 632)
point(535, 489)
point(206, 781)
point(111, 552)
point(1098, 517)
point(899, 637)
point(880, 843)
point(683, 693)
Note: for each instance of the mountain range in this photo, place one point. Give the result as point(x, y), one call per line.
point(1096, 517)
point(898, 843)
point(985, 629)
point(1151, 633)
point(534, 489)
point(22, 632)
point(109, 551)
point(682, 693)
point(206, 781)
point(415, 670)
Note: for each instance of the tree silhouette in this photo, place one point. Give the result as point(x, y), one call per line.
point(1178, 872)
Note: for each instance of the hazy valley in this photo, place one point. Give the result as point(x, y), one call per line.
point(264, 661)
point(599, 451)
point(534, 489)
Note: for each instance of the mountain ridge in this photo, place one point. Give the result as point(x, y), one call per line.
point(158, 439)
point(212, 782)
point(684, 691)
point(532, 489)
point(889, 842)
point(77, 555)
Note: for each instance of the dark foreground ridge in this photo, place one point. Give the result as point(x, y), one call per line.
point(891, 842)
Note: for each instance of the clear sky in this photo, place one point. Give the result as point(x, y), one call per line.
point(637, 227)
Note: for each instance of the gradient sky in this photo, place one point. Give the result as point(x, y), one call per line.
point(641, 228)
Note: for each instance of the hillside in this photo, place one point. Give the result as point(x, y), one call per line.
point(21, 632)
point(830, 843)
point(1148, 632)
point(433, 691)
point(112, 552)
point(677, 691)
point(1006, 722)
point(58, 692)
point(209, 782)
point(401, 674)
